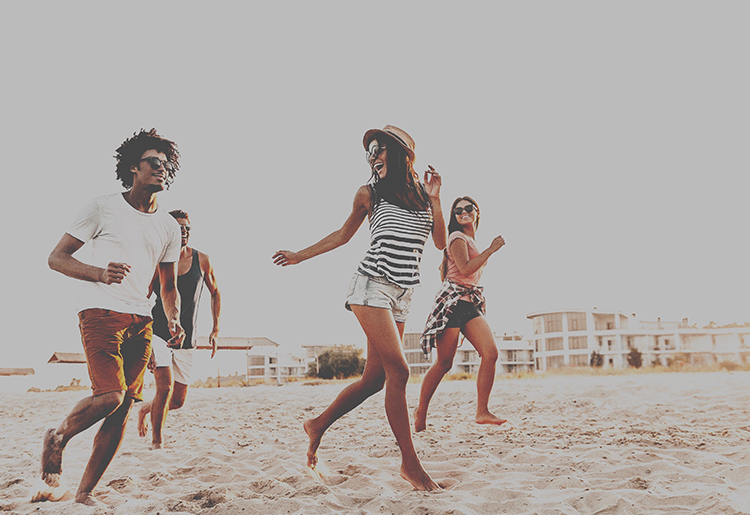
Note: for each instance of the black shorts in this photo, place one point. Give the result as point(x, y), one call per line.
point(462, 313)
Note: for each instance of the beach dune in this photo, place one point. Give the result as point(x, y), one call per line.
point(630, 444)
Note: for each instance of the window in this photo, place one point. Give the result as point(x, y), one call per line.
point(554, 344)
point(539, 346)
point(555, 362)
point(576, 321)
point(579, 360)
point(537, 321)
point(578, 342)
point(553, 323)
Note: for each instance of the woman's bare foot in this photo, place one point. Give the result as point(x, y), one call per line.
point(52, 452)
point(420, 421)
point(312, 449)
point(489, 418)
point(419, 479)
point(142, 420)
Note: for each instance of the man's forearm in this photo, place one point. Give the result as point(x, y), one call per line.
point(216, 309)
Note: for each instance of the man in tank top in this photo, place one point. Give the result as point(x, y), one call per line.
point(172, 364)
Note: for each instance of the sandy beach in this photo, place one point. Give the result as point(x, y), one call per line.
point(631, 444)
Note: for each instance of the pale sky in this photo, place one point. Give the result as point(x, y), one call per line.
point(606, 142)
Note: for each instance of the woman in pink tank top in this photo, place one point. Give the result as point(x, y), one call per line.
point(459, 308)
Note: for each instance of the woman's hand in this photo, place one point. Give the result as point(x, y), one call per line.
point(496, 244)
point(285, 258)
point(432, 183)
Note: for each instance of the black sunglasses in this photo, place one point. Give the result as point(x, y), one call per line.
point(374, 150)
point(468, 208)
point(156, 163)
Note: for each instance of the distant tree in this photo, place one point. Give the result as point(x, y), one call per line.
point(340, 363)
point(635, 358)
point(597, 360)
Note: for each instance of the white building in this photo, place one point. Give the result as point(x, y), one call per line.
point(263, 358)
point(569, 337)
point(514, 355)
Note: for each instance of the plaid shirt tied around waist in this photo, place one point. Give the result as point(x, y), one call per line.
point(445, 300)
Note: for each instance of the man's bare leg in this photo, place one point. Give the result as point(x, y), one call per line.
point(85, 414)
point(106, 443)
point(160, 404)
point(478, 332)
point(143, 412)
point(447, 343)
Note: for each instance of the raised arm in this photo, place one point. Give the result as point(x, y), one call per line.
point(210, 279)
point(433, 182)
point(170, 298)
point(460, 252)
point(335, 239)
point(61, 260)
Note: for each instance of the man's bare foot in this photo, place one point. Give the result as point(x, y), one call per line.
point(143, 419)
point(419, 479)
point(156, 445)
point(43, 492)
point(489, 418)
point(420, 422)
point(88, 500)
point(52, 452)
point(312, 449)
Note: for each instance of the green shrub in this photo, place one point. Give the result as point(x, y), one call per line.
point(635, 358)
point(597, 360)
point(339, 363)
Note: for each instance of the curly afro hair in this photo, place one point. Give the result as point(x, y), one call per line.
point(130, 152)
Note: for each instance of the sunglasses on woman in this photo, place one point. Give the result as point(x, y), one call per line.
point(374, 150)
point(468, 208)
point(155, 163)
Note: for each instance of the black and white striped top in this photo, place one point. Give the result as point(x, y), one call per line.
point(397, 238)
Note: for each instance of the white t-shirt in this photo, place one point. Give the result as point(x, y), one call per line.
point(118, 232)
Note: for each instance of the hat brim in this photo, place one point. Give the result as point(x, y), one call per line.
point(372, 133)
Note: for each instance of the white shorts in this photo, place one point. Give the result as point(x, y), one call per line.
point(181, 360)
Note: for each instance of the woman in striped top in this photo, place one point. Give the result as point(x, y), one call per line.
point(402, 213)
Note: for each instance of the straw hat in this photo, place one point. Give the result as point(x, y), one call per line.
point(400, 135)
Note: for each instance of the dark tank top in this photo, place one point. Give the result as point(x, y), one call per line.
point(190, 286)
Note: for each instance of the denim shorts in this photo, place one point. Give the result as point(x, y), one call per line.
point(379, 292)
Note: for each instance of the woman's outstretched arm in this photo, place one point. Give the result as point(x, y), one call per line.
point(336, 238)
point(433, 182)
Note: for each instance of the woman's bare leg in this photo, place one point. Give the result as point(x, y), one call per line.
point(371, 382)
point(447, 343)
point(384, 339)
point(478, 332)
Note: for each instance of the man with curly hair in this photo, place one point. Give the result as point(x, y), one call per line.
point(130, 238)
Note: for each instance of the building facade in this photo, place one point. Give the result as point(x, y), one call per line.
point(568, 338)
point(514, 355)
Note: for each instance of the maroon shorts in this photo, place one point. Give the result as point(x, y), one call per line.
point(118, 347)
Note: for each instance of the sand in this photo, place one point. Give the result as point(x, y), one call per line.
point(632, 444)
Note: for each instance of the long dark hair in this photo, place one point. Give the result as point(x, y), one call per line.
point(401, 185)
point(454, 226)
